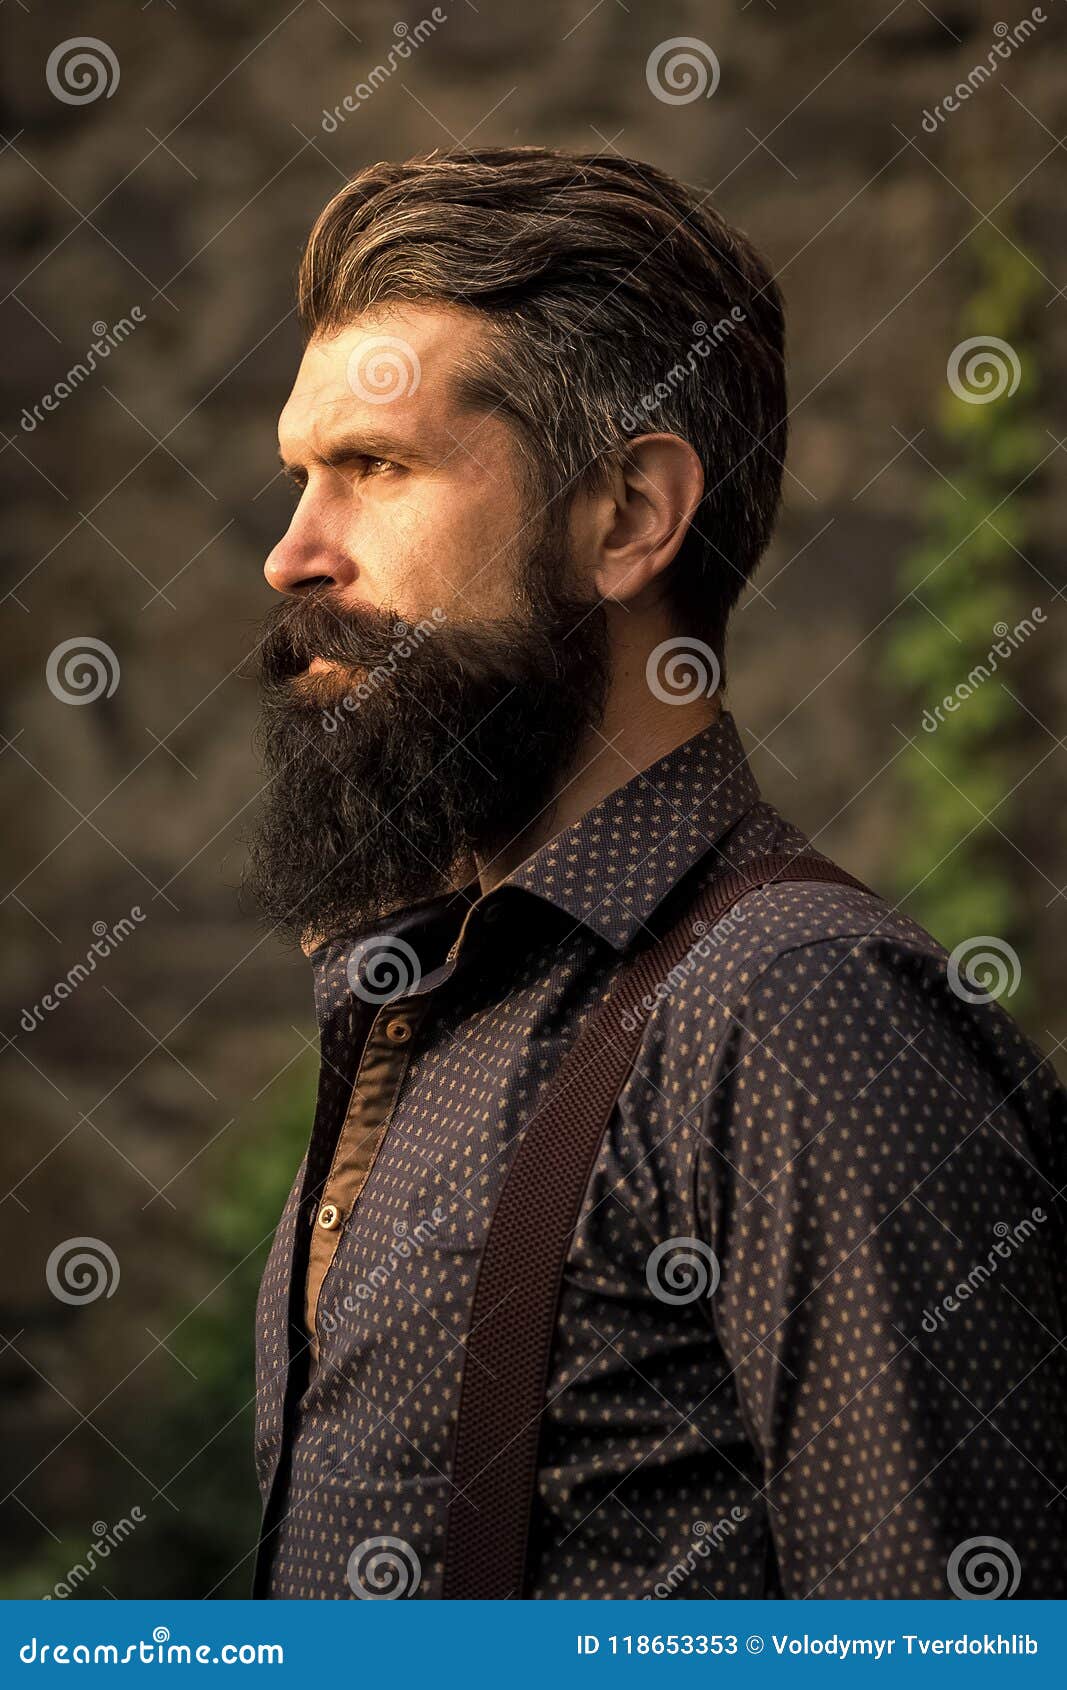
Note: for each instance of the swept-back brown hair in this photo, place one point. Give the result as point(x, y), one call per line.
point(618, 303)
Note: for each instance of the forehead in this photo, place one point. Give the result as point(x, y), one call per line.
point(389, 373)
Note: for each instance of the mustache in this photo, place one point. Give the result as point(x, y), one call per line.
point(501, 651)
point(296, 632)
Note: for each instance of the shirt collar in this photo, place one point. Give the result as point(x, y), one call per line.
point(612, 868)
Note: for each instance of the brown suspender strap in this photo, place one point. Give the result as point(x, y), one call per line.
point(505, 1371)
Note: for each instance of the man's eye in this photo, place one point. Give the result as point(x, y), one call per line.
point(376, 466)
point(296, 483)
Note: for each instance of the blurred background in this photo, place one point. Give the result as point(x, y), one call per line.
point(157, 185)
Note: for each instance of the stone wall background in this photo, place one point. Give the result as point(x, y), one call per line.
point(162, 1108)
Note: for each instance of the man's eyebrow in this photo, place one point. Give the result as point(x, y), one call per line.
point(366, 443)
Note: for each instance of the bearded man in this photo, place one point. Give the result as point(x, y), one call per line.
point(636, 1248)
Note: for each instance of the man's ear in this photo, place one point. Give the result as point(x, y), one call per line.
point(641, 519)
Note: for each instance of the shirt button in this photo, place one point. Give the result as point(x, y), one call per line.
point(398, 1032)
point(329, 1217)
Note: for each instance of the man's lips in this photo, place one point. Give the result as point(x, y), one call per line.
point(327, 666)
point(325, 669)
point(330, 675)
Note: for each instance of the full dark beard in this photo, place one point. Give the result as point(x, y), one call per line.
point(423, 745)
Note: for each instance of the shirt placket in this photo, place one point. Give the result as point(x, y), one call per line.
point(383, 1065)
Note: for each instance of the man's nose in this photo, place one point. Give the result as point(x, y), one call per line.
point(305, 556)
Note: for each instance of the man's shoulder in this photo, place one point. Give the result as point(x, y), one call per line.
point(799, 967)
point(788, 916)
point(793, 935)
point(778, 927)
point(791, 914)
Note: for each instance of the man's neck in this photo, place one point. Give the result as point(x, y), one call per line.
point(636, 732)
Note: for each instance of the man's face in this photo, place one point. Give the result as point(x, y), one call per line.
point(436, 656)
point(407, 502)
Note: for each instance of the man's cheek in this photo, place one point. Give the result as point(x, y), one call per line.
point(422, 568)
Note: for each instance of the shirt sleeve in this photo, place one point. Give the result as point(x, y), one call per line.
point(878, 1178)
